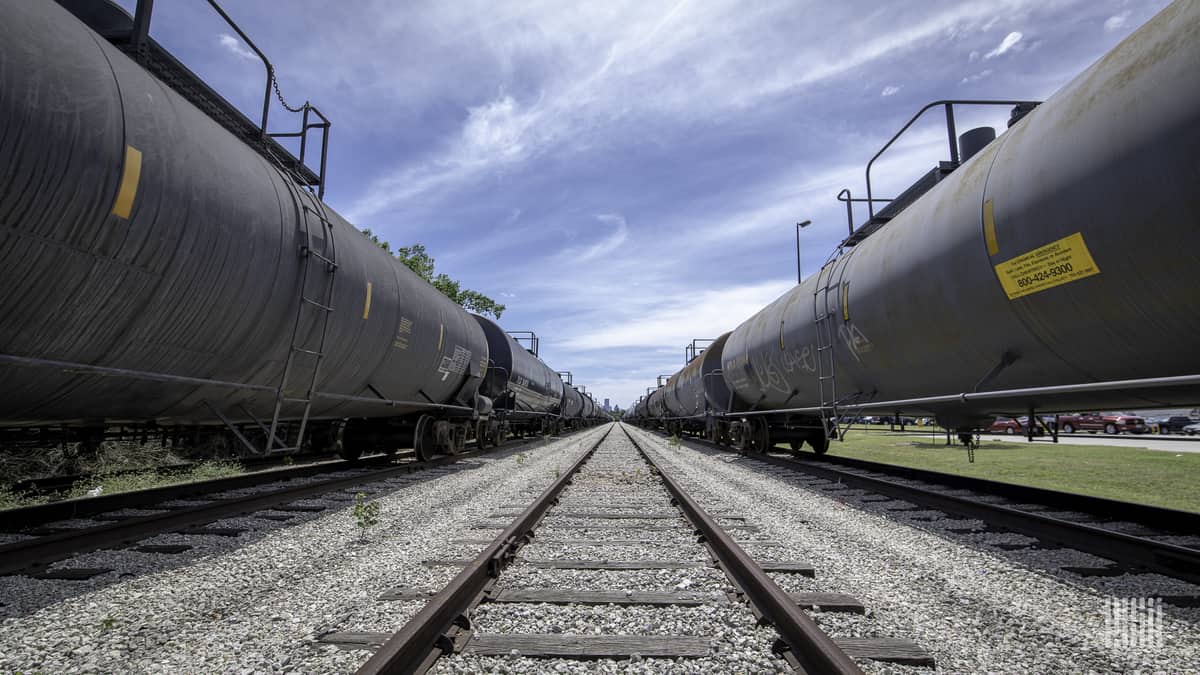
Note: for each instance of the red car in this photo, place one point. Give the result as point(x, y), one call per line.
point(1109, 424)
point(1008, 425)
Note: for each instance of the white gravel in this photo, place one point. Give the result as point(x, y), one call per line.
point(975, 611)
point(256, 603)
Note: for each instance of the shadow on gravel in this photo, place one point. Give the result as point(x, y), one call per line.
point(24, 595)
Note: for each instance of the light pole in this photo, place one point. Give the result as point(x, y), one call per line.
point(799, 226)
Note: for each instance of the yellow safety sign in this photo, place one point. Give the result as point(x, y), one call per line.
point(1054, 264)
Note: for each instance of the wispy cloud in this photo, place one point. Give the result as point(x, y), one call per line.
point(1005, 45)
point(1116, 21)
point(890, 90)
point(675, 319)
point(236, 47)
point(975, 77)
point(625, 71)
point(610, 243)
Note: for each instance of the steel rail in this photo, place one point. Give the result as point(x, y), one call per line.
point(33, 554)
point(1182, 522)
point(1132, 551)
point(13, 519)
point(424, 638)
point(813, 650)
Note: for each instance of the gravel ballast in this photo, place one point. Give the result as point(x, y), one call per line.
point(973, 610)
point(257, 602)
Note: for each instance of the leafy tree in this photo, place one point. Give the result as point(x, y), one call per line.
point(418, 260)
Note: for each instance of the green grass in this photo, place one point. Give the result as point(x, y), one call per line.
point(1154, 477)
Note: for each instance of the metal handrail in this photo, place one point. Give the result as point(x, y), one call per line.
point(953, 136)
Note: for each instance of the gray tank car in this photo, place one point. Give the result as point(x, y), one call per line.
point(164, 272)
point(1048, 271)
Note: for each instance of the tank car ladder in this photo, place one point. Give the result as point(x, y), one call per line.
point(826, 377)
point(326, 257)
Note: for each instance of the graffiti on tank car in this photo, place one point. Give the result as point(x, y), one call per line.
point(769, 376)
point(800, 359)
point(857, 343)
point(457, 363)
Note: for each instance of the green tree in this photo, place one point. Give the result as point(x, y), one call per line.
point(418, 260)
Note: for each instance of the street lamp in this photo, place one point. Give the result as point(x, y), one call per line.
point(799, 226)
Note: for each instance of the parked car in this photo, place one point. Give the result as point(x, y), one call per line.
point(1175, 424)
point(1192, 429)
point(1109, 424)
point(1009, 425)
point(1005, 425)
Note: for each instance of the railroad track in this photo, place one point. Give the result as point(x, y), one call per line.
point(55, 486)
point(606, 520)
point(48, 533)
point(1137, 538)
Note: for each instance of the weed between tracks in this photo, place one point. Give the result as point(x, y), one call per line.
point(366, 514)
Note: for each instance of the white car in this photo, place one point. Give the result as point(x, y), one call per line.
point(1192, 429)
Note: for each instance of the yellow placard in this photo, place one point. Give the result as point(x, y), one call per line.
point(1054, 264)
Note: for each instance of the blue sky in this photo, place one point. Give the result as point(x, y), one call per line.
point(625, 176)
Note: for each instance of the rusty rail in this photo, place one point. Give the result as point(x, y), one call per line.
point(425, 637)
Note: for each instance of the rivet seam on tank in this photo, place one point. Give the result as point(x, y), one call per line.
point(130, 176)
point(367, 302)
point(989, 228)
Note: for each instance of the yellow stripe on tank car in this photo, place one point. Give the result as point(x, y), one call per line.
point(441, 334)
point(846, 301)
point(989, 228)
point(367, 302)
point(129, 182)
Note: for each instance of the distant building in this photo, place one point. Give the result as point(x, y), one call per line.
point(607, 407)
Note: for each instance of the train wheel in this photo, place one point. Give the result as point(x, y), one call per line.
point(424, 439)
point(795, 446)
point(819, 442)
point(481, 435)
point(758, 436)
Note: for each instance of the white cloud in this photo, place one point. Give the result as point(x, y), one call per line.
point(973, 56)
point(677, 318)
point(236, 47)
point(623, 68)
point(890, 90)
point(976, 76)
point(606, 245)
point(1005, 45)
point(1116, 21)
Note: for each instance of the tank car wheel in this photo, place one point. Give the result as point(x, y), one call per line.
point(482, 438)
point(756, 438)
point(795, 446)
point(347, 451)
point(819, 442)
point(424, 439)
